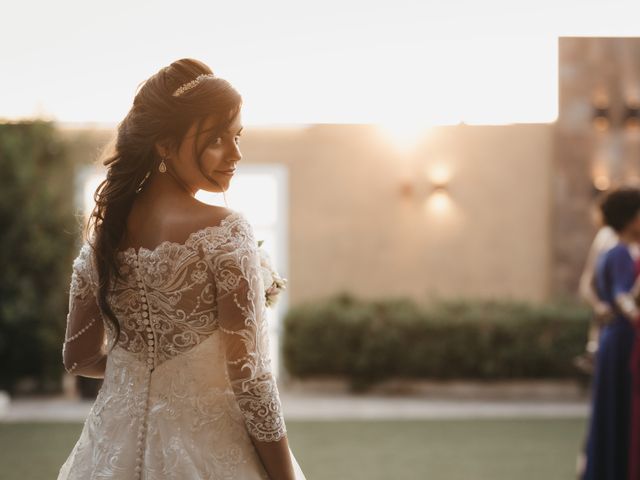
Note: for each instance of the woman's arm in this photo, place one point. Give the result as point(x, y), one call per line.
point(84, 348)
point(627, 305)
point(275, 458)
point(601, 309)
point(93, 370)
point(243, 324)
point(623, 276)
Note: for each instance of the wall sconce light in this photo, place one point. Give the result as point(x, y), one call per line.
point(600, 118)
point(632, 116)
point(601, 183)
point(439, 200)
point(433, 190)
point(439, 189)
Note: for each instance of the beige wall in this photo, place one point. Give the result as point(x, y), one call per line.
point(351, 229)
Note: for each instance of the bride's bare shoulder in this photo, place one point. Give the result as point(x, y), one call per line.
point(208, 215)
point(175, 222)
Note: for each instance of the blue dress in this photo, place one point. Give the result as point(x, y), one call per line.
point(608, 439)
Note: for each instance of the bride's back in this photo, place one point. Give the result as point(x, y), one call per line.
point(191, 363)
point(166, 301)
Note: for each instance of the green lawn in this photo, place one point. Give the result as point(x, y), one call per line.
point(371, 450)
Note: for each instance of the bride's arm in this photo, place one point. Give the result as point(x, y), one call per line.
point(83, 350)
point(275, 458)
point(243, 323)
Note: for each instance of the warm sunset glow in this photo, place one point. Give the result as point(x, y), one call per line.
point(491, 62)
point(89, 188)
point(404, 136)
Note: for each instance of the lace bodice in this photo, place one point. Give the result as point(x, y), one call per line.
point(172, 299)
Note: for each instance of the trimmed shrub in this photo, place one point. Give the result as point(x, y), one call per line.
point(370, 341)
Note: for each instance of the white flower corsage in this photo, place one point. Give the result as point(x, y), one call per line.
point(273, 283)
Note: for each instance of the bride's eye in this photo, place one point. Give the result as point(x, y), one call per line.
point(216, 141)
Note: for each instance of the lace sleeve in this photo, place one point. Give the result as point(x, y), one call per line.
point(85, 335)
point(242, 317)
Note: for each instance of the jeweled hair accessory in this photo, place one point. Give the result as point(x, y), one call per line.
point(188, 86)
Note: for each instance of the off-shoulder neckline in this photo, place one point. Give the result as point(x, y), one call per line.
point(137, 251)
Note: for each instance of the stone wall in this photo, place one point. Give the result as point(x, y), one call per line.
point(593, 73)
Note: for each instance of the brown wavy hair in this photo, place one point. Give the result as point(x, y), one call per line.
point(155, 116)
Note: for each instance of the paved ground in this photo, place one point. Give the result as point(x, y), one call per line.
point(334, 406)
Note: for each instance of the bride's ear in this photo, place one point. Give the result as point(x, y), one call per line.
point(163, 148)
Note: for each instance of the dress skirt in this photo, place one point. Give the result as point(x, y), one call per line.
point(609, 428)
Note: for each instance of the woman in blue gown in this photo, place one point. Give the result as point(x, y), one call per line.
point(609, 429)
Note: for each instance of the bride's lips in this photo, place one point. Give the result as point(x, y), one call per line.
point(228, 172)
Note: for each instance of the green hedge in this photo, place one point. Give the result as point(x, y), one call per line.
point(369, 341)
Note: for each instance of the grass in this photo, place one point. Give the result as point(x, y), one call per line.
point(434, 449)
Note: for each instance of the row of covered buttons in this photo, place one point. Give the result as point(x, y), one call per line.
point(142, 429)
point(150, 361)
point(145, 319)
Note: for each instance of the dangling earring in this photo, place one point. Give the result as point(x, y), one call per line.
point(162, 167)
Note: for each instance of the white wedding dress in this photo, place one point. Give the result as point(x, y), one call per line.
point(189, 380)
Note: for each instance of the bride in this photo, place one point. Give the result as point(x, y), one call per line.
point(167, 301)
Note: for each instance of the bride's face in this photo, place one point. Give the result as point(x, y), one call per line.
point(219, 158)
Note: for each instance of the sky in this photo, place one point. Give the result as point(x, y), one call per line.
point(398, 63)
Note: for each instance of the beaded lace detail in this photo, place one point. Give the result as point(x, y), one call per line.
point(192, 355)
